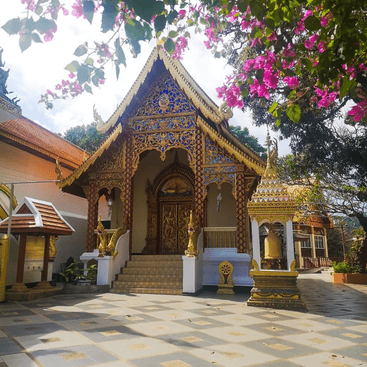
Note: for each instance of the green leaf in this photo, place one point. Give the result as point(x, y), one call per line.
point(160, 23)
point(135, 48)
point(99, 73)
point(30, 24)
point(134, 30)
point(277, 122)
point(73, 66)
point(292, 94)
point(172, 16)
point(256, 7)
point(12, 26)
point(44, 25)
point(242, 5)
point(120, 53)
point(173, 34)
point(80, 51)
point(88, 10)
point(88, 88)
point(95, 80)
point(346, 85)
point(273, 107)
point(89, 61)
point(83, 74)
point(312, 23)
point(25, 41)
point(39, 10)
point(36, 38)
point(109, 14)
point(117, 71)
point(187, 35)
point(148, 31)
point(294, 112)
point(169, 46)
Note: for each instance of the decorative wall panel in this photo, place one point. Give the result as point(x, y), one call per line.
point(164, 97)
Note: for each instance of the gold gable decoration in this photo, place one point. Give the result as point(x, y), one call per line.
point(271, 200)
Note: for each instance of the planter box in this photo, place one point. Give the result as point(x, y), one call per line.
point(352, 278)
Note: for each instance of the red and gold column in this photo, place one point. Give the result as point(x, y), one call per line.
point(240, 208)
point(92, 197)
point(199, 176)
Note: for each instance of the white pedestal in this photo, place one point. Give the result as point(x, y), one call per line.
point(191, 281)
point(87, 256)
point(105, 270)
point(241, 266)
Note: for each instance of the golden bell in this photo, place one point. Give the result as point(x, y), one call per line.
point(273, 246)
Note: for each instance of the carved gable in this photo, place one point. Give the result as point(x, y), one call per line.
point(164, 96)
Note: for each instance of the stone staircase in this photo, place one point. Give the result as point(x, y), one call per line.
point(159, 274)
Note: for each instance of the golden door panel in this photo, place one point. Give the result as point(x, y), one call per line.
point(173, 232)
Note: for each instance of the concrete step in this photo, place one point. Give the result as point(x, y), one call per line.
point(138, 284)
point(146, 291)
point(155, 264)
point(153, 271)
point(149, 277)
point(156, 257)
point(156, 274)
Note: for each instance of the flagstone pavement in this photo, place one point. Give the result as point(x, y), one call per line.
point(112, 330)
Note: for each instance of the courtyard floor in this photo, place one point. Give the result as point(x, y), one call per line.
point(112, 330)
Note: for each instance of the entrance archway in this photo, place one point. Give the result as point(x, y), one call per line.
point(170, 200)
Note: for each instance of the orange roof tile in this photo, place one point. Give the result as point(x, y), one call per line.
point(40, 217)
point(31, 135)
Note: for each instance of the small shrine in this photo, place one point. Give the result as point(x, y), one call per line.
point(38, 225)
point(274, 267)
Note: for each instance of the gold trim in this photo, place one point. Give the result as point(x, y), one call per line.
point(84, 166)
point(274, 273)
point(5, 189)
point(250, 162)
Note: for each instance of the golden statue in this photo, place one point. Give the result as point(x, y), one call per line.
point(52, 251)
point(103, 238)
point(116, 235)
point(191, 248)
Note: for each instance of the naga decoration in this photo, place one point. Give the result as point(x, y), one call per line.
point(58, 170)
point(103, 238)
point(192, 247)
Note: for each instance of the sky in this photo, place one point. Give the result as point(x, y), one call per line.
point(42, 66)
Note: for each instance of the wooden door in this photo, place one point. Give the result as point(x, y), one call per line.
point(174, 221)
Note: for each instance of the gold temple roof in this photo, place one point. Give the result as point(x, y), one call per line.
point(86, 164)
point(184, 80)
point(271, 196)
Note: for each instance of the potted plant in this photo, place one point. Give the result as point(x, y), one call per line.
point(344, 273)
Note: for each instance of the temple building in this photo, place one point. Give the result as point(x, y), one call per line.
point(176, 182)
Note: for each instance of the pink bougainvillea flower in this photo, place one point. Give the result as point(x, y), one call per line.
point(71, 75)
point(359, 111)
point(322, 46)
point(311, 42)
point(270, 80)
point(324, 21)
point(292, 82)
point(49, 92)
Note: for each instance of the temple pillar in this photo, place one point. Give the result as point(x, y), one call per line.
point(127, 193)
point(240, 208)
point(313, 248)
point(92, 197)
point(326, 250)
point(290, 246)
point(19, 282)
point(199, 176)
point(256, 242)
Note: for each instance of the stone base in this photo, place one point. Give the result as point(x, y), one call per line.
point(85, 288)
point(225, 289)
point(32, 294)
point(276, 289)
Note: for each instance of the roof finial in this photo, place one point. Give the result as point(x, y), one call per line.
point(268, 143)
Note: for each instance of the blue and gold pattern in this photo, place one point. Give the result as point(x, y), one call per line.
point(165, 97)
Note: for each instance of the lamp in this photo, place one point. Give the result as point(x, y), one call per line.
point(109, 205)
